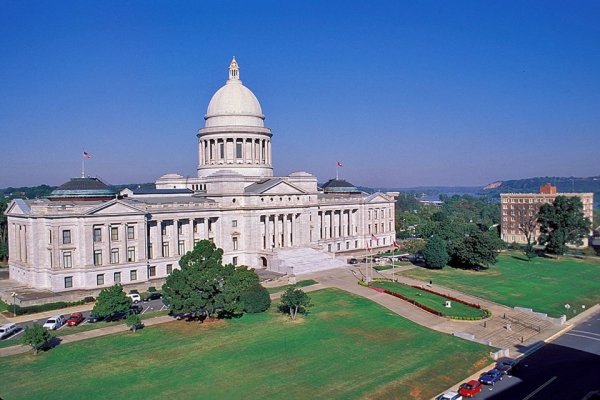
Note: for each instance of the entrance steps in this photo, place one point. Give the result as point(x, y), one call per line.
point(303, 260)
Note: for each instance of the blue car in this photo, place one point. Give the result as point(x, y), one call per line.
point(491, 377)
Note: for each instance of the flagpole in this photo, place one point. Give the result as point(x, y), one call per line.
point(82, 166)
point(337, 168)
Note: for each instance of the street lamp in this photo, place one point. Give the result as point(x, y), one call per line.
point(14, 296)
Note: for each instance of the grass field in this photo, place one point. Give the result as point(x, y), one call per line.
point(346, 348)
point(390, 266)
point(543, 284)
point(432, 301)
point(298, 284)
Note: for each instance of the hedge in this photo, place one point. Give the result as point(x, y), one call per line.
point(47, 307)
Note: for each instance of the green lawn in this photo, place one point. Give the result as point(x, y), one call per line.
point(346, 348)
point(298, 284)
point(432, 301)
point(390, 266)
point(543, 284)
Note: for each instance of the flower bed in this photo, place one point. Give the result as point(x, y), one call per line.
point(466, 303)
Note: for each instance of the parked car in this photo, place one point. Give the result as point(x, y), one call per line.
point(117, 316)
point(93, 318)
point(491, 377)
point(75, 319)
point(450, 396)
point(152, 296)
point(54, 323)
point(470, 389)
point(135, 297)
point(352, 261)
point(507, 365)
point(7, 330)
point(136, 309)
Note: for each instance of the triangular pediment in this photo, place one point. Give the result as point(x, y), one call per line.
point(115, 207)
point(18, 207)
point(378, 198)
point(276, 186)
point(283, 188)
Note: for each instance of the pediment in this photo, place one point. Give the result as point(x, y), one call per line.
point(115, 207)
point(378, 198)
point(283, 188)
point(18, 207)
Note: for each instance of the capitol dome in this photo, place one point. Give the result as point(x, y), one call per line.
point(234, 104)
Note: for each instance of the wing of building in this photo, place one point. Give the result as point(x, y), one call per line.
point(84, 236)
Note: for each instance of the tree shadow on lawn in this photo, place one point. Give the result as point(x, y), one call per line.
point(50, 344)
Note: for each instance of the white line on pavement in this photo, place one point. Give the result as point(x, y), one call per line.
point(583, 336)
point(586, 332)
point(163, 307)
point(60, 327)
point(84, 322)
point(145, 309)
point(549, 381)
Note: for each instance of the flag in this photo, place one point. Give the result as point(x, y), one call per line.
point(373, 237)
point(395, 244)
point(339, 164)
point(87, 155)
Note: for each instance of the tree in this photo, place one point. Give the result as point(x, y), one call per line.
point(294, 301)
point(477, 249)
point(528, 227)
point(3, 230)
point(255, 299)
point(435, 253)
point(111, 300)
point(203, 286)
point(37, 337)
point(133, 321)
point(562, 223)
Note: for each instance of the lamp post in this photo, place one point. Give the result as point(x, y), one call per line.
point(14, 297)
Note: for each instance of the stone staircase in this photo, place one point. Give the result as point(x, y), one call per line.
point(303, 260)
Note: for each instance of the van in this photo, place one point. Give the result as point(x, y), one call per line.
point(54, 323)
point(135, 297)
point(7, 330)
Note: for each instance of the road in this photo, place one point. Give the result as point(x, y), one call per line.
point(568, 368)
point(153, 305)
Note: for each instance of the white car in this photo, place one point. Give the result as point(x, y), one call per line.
point(7, 330)
point(450, 396)
point(54, 323)
point(135, 298)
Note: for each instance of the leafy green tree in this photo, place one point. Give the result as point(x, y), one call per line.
point(133, 321)
point(479, 249)
point(256, 299)
point(37, 337)
point(562, 223)
point(412, 245)
point(111, 300)
point(435, 253)
point(3, 230)
point(234, 285)
point(294, 301)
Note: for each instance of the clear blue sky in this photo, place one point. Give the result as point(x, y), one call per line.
point(404, 93)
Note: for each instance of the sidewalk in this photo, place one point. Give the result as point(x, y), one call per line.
point(47, 314)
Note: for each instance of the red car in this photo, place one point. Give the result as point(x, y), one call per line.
point(75, 319)
point(470, 388)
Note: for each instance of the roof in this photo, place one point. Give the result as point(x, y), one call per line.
point(160, 191)
point(339, 186)
point(82, 188)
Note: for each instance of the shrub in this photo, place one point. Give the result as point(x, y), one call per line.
point(45, 307)
point(36, 336)
point(151, 289)
point(89, 299)
point(256, 299)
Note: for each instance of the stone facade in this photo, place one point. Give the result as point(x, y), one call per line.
point(77, 242)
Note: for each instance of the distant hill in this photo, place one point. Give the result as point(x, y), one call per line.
point(532, 185)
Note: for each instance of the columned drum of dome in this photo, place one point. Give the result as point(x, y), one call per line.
point(234, 136)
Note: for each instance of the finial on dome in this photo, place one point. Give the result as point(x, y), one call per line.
point(234, 70)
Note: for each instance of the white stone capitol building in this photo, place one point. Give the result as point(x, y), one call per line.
point(85, 236)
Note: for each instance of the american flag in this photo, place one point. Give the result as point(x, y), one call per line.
point(339, 164)
point(87, 155)
point(395, 244)
point(373, 237)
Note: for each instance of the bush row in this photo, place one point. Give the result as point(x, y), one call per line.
point(466, 303)
point(49, 306)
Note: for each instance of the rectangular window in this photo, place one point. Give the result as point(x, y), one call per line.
point(117, 277)
point(221, 150)
point(131, 254)
point(133, 275)
point(375, 216)
point(347, 245)
point(235, 243)
point(151, 271)
point(179, 229)
point(66, 236)
point(114, 233)
point(169, 269)
point(100, 279)
point(235, 261)
point(98, 257)
point(97, 235)
point(165, 250)
point(234, 223)
point(114, 256)
point(181, 247)
point(68, 282)
point(67, 260)
point(130, 232)
point(338, 246)
point(356, 244)
point(50, 237)
point(150, 251)
point(238, 150)
point(163, 229)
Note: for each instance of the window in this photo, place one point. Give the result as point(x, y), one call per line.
point(151, 271)
point(50, 237)
point(131, 254)
point(50, 257)
point(133, 275)
point(66, 236)
point(68, 282)
point(163, 229)
point(347, 245)
point(235, 261)
point(169, 269)
point(97, 235)
point(369, 215)
point(329, 248)
point(130, 232)
point(234, 223)
point(67, 260)
point(181, 247)
point(235, 243)
point(338, 246)
point(356, 244)
point(117, 277)
point(114, 233)
point(238, 150)
point(221, 150)
point(375, 214)
point(98, 257)
point(150, 251)
point(100, 279)
point(179, 229)
point(114, 256)
point(165, 250)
